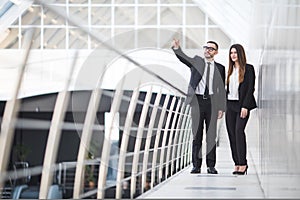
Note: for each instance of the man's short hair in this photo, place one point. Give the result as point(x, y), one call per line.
point(213, 43)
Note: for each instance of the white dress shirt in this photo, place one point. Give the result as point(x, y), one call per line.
point(234, 85)
point(201, 86)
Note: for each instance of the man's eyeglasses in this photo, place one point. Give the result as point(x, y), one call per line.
point(210, 49)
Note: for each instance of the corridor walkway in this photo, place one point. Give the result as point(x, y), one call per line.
point(223, 185)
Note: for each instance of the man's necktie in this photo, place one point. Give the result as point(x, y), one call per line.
point(206, 92)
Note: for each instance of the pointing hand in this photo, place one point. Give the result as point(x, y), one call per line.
point(175, 43)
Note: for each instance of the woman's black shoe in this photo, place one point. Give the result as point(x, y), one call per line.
point(236, 169)
point(244, 172)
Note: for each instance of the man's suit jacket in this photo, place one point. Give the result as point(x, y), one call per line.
point(197, 66)
point(246, 89)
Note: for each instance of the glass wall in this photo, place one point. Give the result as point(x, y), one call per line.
point(276, 33)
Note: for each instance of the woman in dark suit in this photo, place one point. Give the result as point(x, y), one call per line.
point(240, 101)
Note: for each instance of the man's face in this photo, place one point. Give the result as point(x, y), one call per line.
point(210, 50)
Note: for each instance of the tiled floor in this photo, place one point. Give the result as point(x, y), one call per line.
point(273, 183)
point(223, 185)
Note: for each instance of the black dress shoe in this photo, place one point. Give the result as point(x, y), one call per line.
point(243, 172)
point(195, 170)
point(236, 167)
point(212, 170)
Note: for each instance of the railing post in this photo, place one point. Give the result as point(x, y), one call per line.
point(85, 141)
point(184, 141)
point(11, 110)
point(124, 143)
point(188, 142)
point(148, 140)
point(106, 144)
point(180, 140)
point(59, 112)
point(157, 138)
point(138, 141)
point(179, 126)
point(164, 141)
point(171, 135)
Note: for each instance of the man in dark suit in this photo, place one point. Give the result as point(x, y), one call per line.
point(206, 96)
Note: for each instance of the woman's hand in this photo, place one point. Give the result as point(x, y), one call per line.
point(244, 113)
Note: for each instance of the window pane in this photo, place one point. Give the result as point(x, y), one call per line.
point(32, 16)
point(77, 39)
point(101, 1)
point(195, 38)
point(147, 38)
point(194, 16)
point(81, 13)
point(210, 22)
point(167, 35)
point(124, 1)
point(146, 1)
point(54, 38)
point(124, 38)
point(219, 36)
point(51, 18)
point(11, 41)
point(78, 1)
point(59, 1)
point(36, 40)
point(147, 15)
point(171, 1)
point(171, 15)
point(101, 15)
point(104, 34)
point(124, 16)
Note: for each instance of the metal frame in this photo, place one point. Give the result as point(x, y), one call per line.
point(171, 135)
point(53, 140)
point(11, 110)
point(184, 144)
point(138, 142)
point(157, 139)
point(164, 141)
point(148, 140)
point(124, 143)
point(180, 140)
point(85, 140)
point(107, 146)
point(176, 145)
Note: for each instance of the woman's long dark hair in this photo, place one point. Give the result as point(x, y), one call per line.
point(241, 60)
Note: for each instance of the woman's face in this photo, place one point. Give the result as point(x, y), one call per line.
point(233, 55)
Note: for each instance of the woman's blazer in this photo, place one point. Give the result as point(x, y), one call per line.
point(246, 89)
